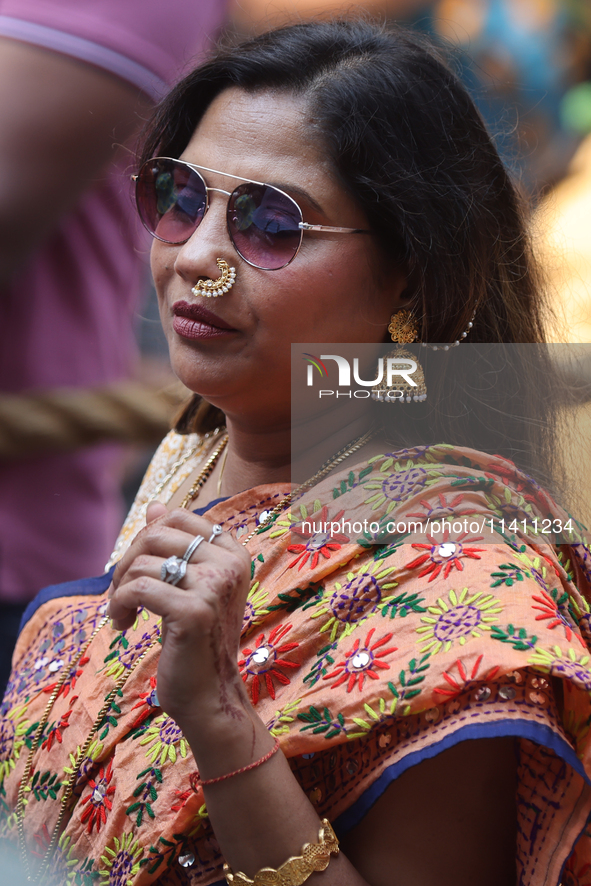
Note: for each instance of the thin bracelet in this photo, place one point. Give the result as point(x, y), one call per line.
point(197, 782)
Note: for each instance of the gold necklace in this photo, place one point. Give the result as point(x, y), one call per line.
point(205, 472)
point(222, 466)
point(184, 459)
point(326, 468)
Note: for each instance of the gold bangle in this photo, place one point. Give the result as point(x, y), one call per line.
point(296, 870)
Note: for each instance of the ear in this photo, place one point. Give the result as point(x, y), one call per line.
point(410, 297)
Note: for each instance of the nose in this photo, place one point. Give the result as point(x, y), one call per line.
point(209, 242)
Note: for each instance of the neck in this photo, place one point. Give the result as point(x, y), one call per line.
point(284, 454)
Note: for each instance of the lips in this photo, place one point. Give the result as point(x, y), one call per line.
point(194, 321)
point(199, 314)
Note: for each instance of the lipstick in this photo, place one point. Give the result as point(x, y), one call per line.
point(194, 321)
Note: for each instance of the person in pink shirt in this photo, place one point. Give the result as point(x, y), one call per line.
point(76, 80)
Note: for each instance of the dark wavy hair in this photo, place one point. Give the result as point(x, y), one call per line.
point(406, 141)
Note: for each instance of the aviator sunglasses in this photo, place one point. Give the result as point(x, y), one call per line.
point(265, 224)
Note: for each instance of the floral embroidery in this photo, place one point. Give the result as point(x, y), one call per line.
point(59, 642)
point(408, 688)
point(163, 737)
point(507, 575)
point(93, 753)
point(467, 616)
point(361, 662)
point(148, 701)
point(408, 685)
point(355, 599)
point(514, 481)
point(45, 785)
point(99, 800)
point(13, 730)
point(583, 554)
point(456, 688)
point(280, 722)
point(145, 794)
point(323, 661)
point(351, 482)
point(323, 722)
point(56, 731)
point(124, 654)
point(254, 609)
point(555, 606)
point(319, 539)
point(517, 637)
point(397, 486)
point(405, 703)
point(403, 605)
point(42, 839)
point(444, 555)
point(122, 862)
point(70, 871)
point(441, 508)
point(582, 612)
point(263, 663)
point(565, 665)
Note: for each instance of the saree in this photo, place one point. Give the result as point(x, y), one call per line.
point(363, 657)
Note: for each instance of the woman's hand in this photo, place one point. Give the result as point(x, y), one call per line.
point(201, 616)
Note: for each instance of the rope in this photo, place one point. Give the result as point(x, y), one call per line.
point(69, 418)
point(63, 419)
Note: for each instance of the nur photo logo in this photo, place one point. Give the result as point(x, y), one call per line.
point(390, 371)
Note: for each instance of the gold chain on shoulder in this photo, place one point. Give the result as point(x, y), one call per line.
point(205, 472)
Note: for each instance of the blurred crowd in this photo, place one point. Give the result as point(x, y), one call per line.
point(77, 312)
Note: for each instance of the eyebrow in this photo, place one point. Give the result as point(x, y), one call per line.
point(293, 189)
point(281, 185)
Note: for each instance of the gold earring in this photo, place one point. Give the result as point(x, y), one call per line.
point(214, 288)
point(404, 330)
point(403, 327)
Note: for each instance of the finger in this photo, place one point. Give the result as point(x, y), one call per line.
point(121, 616)
point(158, 538)
point(195, 525)
point(161, 599)
point(145, 564)
point(155, 510)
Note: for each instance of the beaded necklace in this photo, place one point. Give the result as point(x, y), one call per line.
point(24, 785)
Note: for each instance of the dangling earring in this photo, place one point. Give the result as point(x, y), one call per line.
point(404, 330)
point(214, 288)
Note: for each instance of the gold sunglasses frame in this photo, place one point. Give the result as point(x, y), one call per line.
point(302, 225)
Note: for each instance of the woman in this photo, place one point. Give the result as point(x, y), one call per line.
point(398, 691)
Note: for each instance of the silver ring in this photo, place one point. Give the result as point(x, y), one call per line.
point(192, 547)
point(173, 570)
point(215, 531)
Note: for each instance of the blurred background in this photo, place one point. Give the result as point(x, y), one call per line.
point(86, 391)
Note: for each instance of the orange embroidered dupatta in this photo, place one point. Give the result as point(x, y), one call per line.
point(363, 658)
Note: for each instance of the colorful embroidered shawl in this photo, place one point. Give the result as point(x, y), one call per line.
point(363, 659)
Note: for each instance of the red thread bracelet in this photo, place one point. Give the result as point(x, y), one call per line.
point(197, 782)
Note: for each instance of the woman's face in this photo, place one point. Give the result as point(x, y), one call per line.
point(337, 289)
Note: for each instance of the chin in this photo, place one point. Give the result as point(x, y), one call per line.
point(207, 384)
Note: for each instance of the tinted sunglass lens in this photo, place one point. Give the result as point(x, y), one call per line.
point(171, 199)
point(264, 225)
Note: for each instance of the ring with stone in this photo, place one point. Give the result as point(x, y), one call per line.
point(216, 530)
point(193, 547)
point(173, 570)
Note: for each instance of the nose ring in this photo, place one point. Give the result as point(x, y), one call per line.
point(214, 288)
